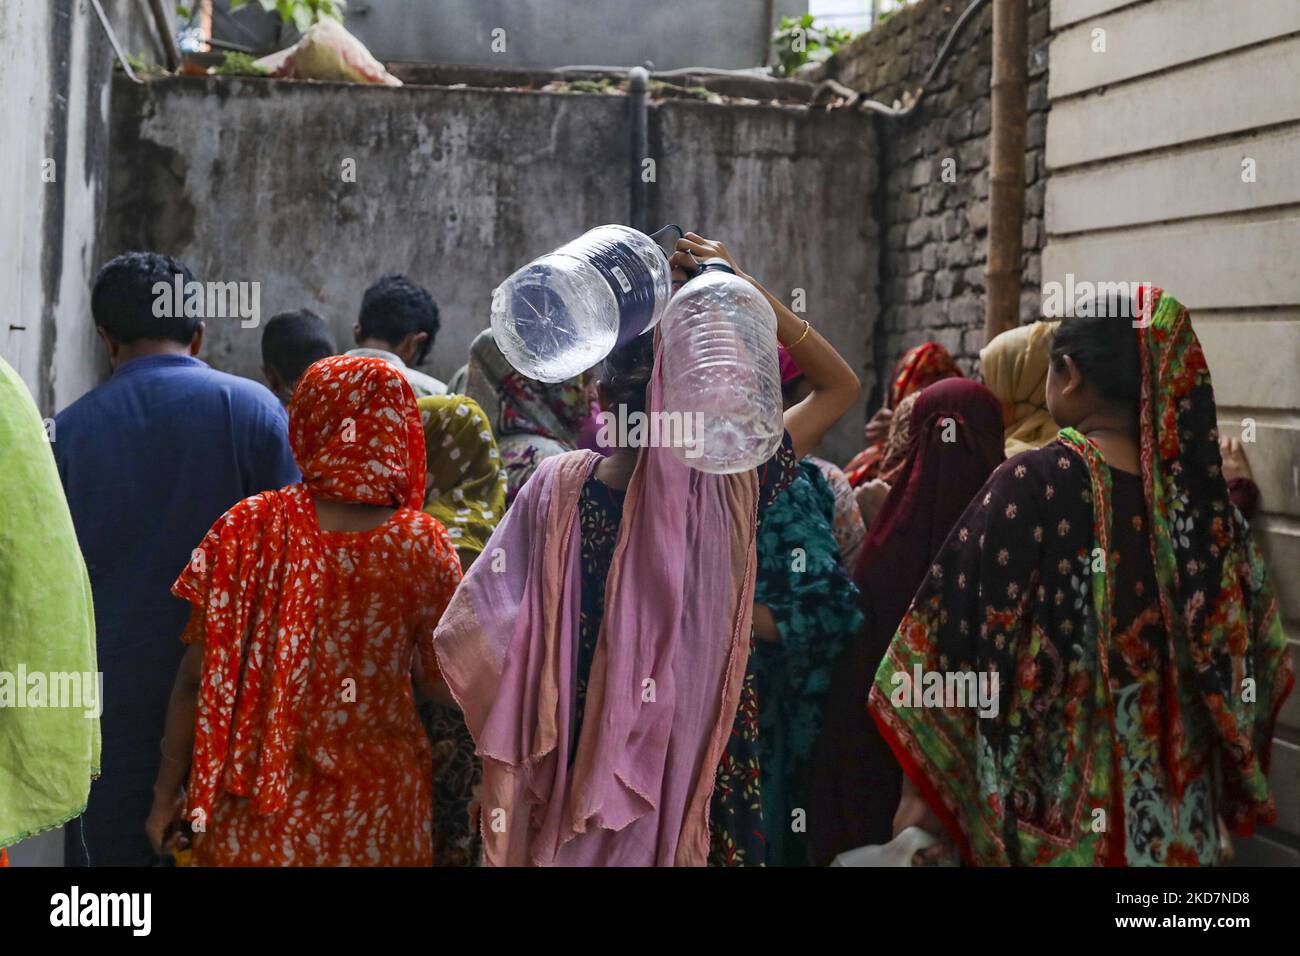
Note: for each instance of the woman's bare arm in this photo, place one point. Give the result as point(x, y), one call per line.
point(177, 747)
point(765, 626)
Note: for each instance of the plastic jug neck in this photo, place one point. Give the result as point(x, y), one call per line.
point(716, 264)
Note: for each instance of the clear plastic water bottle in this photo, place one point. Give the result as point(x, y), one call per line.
point(564, 312)
point(721, 372)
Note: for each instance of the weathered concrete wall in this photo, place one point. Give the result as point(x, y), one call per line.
point(790, 192)
point(458, 187)
point(936, 228)
point(54, 66)
point(1172, 146)
point(671, 33)
point(244, 180)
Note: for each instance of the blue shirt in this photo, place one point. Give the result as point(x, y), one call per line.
point(149, 460)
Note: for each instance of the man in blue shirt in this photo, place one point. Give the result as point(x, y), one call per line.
point(149, 460)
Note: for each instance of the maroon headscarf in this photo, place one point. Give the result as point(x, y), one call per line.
point(956, 442)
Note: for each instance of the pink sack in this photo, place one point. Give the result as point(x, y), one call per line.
point(328, 52)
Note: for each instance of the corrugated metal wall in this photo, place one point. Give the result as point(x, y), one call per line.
point(1173, 144)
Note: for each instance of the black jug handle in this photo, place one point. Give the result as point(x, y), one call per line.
point(671, 226)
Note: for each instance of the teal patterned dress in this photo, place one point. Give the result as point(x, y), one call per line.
point(815, 604)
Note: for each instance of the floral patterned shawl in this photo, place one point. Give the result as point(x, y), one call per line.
point(815, 605)
point(1021, 590)
point(899, 441)
point(919, 367)
point(532, 420)
point(466, 485)
point(356, 435)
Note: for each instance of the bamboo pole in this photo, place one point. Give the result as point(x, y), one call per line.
point(1007, 165)
point(205, 24)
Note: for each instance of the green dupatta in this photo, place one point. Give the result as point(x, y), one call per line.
point(49, 693)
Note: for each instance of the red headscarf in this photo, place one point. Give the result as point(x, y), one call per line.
point(356, 433)
point(920, 368)
point(357, 437)
point(917, 369)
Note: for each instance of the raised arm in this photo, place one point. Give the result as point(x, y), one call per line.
point(835, 387)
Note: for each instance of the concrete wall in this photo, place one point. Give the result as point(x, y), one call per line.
point(458, 187)
point(790, 192)
point(671, 33)
point(54, 66)
point(935, 227)
point(1149, 147)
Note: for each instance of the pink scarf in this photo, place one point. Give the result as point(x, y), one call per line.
point(664, 683)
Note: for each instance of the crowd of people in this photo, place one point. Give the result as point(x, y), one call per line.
point(362, 617)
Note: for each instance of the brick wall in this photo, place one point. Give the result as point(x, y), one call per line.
point(935, 231)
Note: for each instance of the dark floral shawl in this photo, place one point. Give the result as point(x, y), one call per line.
point(1020, 589)
point(531, 420)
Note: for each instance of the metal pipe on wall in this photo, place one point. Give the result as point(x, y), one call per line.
point(1007, 165)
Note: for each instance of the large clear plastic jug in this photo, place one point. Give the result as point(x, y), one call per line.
point(721, 373)
point(564, 312)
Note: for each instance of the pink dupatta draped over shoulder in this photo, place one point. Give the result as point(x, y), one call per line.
point(664, 683)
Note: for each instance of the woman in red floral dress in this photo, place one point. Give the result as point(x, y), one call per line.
point(313, 608)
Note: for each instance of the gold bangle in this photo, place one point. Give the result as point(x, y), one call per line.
point(807, 327)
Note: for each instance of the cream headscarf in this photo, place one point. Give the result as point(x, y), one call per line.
point(1014, 366)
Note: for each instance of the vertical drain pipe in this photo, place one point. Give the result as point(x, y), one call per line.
point(638, 90)
point(1007, 165)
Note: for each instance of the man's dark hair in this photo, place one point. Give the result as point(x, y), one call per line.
point(123, 298)
point(393, 308)
point(1105, 348)
point(293, 341)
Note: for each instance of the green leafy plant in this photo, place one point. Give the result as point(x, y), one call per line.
point(301, 13)
point(798, 41)
point(240, 64)
point(140, 66)
point(590, 86)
